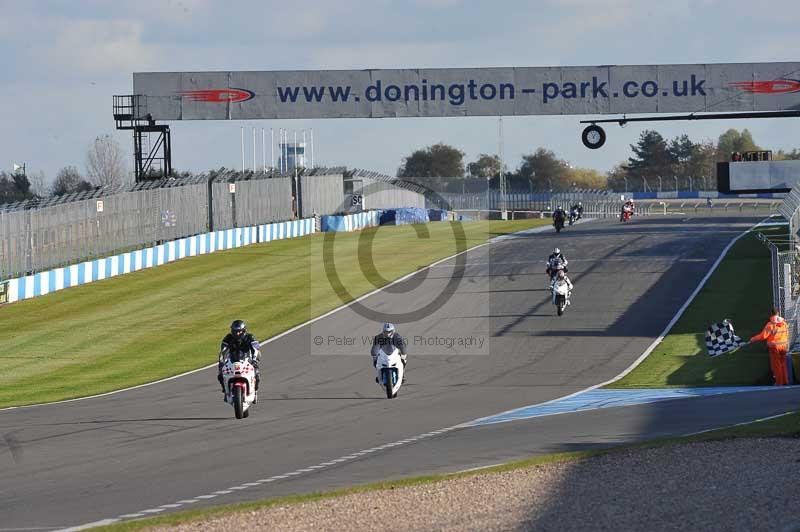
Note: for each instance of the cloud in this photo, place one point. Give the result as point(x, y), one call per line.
point(95, 47)
point(385, 55)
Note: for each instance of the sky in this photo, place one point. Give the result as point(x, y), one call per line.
point(62, 61)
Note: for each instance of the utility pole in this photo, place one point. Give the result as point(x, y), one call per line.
point(503, 213)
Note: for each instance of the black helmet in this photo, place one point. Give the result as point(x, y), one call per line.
point(238, 329)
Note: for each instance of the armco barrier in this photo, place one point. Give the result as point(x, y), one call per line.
point(350, 222)
point(43, 283)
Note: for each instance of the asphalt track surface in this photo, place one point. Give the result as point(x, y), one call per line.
point(81, 462)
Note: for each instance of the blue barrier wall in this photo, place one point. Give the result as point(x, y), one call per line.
point(43, 283)
point(685, 194)
point(350, 222)
point(404, 216)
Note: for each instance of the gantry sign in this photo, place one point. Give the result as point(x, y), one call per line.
point(450, 92)
point(469, 91)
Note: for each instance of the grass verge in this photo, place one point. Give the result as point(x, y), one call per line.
point(784, 426)
point(740, 289)
point(163, 321)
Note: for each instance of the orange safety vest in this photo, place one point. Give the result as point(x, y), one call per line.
point(775, 332)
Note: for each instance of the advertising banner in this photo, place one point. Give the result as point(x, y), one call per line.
point(448, 92)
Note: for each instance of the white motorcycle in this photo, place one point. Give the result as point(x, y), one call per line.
point(561, 294)
point(389, 367)
point(240, 386)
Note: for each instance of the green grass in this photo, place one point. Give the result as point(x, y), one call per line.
point(785, 426)
point(740, 289)
point(163, 321)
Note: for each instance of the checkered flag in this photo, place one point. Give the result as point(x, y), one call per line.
point(720, 339)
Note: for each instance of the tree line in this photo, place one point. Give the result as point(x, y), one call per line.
point(656, 164)
point(105, 166)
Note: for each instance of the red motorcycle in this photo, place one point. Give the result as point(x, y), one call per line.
point(626, 214)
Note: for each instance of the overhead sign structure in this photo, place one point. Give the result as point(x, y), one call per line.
point(245, 95)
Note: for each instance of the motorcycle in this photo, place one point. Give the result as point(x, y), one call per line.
point(627, 212)
point(573, 216)
point(558, 223)
point(389, 366)
point(560, 294)
point(240, 386)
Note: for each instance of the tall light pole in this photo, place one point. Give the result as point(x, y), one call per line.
point(502, 176)
point(626, 184)
point(676, 182)
point(659, 183)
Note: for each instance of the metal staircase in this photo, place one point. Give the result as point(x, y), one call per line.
point(152, 156)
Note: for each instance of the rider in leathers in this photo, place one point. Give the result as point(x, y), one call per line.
point(559, 213)
point(555, 259)
point(388, 336)
point(236, 346)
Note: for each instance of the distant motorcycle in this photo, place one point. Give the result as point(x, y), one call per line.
point(560, 294)
point(558, 223)
point(240, 386)
point(627, 212)
point(389, 366)
point(573, 216)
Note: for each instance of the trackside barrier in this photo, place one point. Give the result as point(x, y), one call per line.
point(350, 222)
point(404, 216)
point(354, 222)
point(43, 283)
point(698, 194)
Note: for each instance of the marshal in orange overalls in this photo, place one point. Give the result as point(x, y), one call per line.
point(776, 333)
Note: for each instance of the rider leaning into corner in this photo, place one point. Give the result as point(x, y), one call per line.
point(388, 336)
point(239, 345)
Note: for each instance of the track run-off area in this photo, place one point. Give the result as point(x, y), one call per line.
point(494, 345)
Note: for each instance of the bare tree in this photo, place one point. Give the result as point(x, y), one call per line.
point(38, 184)
point(105, 162)
point(69, 180)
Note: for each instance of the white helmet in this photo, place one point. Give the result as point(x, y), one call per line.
point(556, 251)
point(388, 329)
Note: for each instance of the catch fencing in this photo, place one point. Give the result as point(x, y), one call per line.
point(597, 203)
point(321, 194)
point(58, 232)
point(380, 195)
point(785, 261)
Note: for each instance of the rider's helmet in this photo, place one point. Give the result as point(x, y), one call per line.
point(556, 251)
point(388, 330)
point(580, 204)
point(238, 329)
